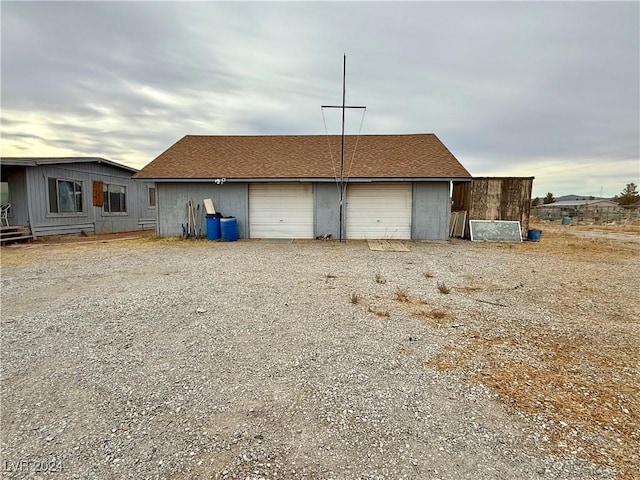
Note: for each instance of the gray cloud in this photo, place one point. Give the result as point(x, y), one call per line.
point(510, 87)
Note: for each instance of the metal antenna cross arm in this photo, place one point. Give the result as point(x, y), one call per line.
point(340, 106)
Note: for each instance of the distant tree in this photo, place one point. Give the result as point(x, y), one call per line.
point(591, 197)
point(629, 195)
point(549, 198)
point(535, 202)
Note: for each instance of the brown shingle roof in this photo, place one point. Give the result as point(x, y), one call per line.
point(304, 156)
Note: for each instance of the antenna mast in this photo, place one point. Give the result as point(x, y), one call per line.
point(343, 107)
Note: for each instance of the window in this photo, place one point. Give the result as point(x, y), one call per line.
point(65, 196)
point(115, 198)
point(4, 191)
point(152, 197)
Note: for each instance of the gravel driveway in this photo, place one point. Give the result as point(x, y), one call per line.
point(255, 359)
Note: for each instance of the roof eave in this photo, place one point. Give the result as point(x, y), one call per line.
point(38, 161)
point(16, 163)
point(301, 179)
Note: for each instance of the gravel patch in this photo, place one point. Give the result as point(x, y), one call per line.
point(160, 359)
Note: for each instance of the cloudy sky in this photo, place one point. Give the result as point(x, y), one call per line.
point(544, 89)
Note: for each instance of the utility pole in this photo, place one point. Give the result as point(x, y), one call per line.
point(343, 107)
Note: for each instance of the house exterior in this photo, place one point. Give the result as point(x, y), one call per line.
point(72, 194)
point(585, 204)
point(494, 198)
point(393, 186)
point(596, 210)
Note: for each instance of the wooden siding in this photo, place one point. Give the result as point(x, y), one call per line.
point(507, 198)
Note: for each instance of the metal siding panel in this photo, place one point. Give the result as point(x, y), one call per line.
point(86, 173)
point(281, 210)
point(327, 209)
point(172, 199)
point(379, 211)
point(19, 211)
point(431, 211)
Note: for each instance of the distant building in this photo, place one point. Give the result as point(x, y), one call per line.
point(577, 197)
point(582, 204)
point(597, 210)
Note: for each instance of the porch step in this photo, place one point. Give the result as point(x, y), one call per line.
point(18, 233)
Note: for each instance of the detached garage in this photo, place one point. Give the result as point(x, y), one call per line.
point(289, 186)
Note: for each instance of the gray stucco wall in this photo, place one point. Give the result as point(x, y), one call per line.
point(230, 199)
point(327, 200)
point(431, 211)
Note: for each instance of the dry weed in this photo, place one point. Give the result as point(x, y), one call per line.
point(435, 317)
point(379, 313)
point(561, 243)
point(436, 313)
point(468, 288)
point(404, 351)
point(580, 373)
point(443, 288)
point(401, 295)
point(574, 382)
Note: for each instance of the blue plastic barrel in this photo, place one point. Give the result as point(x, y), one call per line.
point(213, 227)
point(533, 235)
point(566, 220)
point(229, 228)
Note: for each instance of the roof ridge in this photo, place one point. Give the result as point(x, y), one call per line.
point(242, 135)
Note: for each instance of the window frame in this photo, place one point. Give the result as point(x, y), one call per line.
point(5, 180)
point(107, 200)
point(76, 213)
point(155, 197)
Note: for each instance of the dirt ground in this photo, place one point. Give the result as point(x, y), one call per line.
point(582, 374)
point(551, 327)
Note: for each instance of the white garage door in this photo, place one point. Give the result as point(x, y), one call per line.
point(379, 210)
point(280, 210)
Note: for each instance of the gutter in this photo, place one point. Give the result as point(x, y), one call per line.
point(302, 179)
